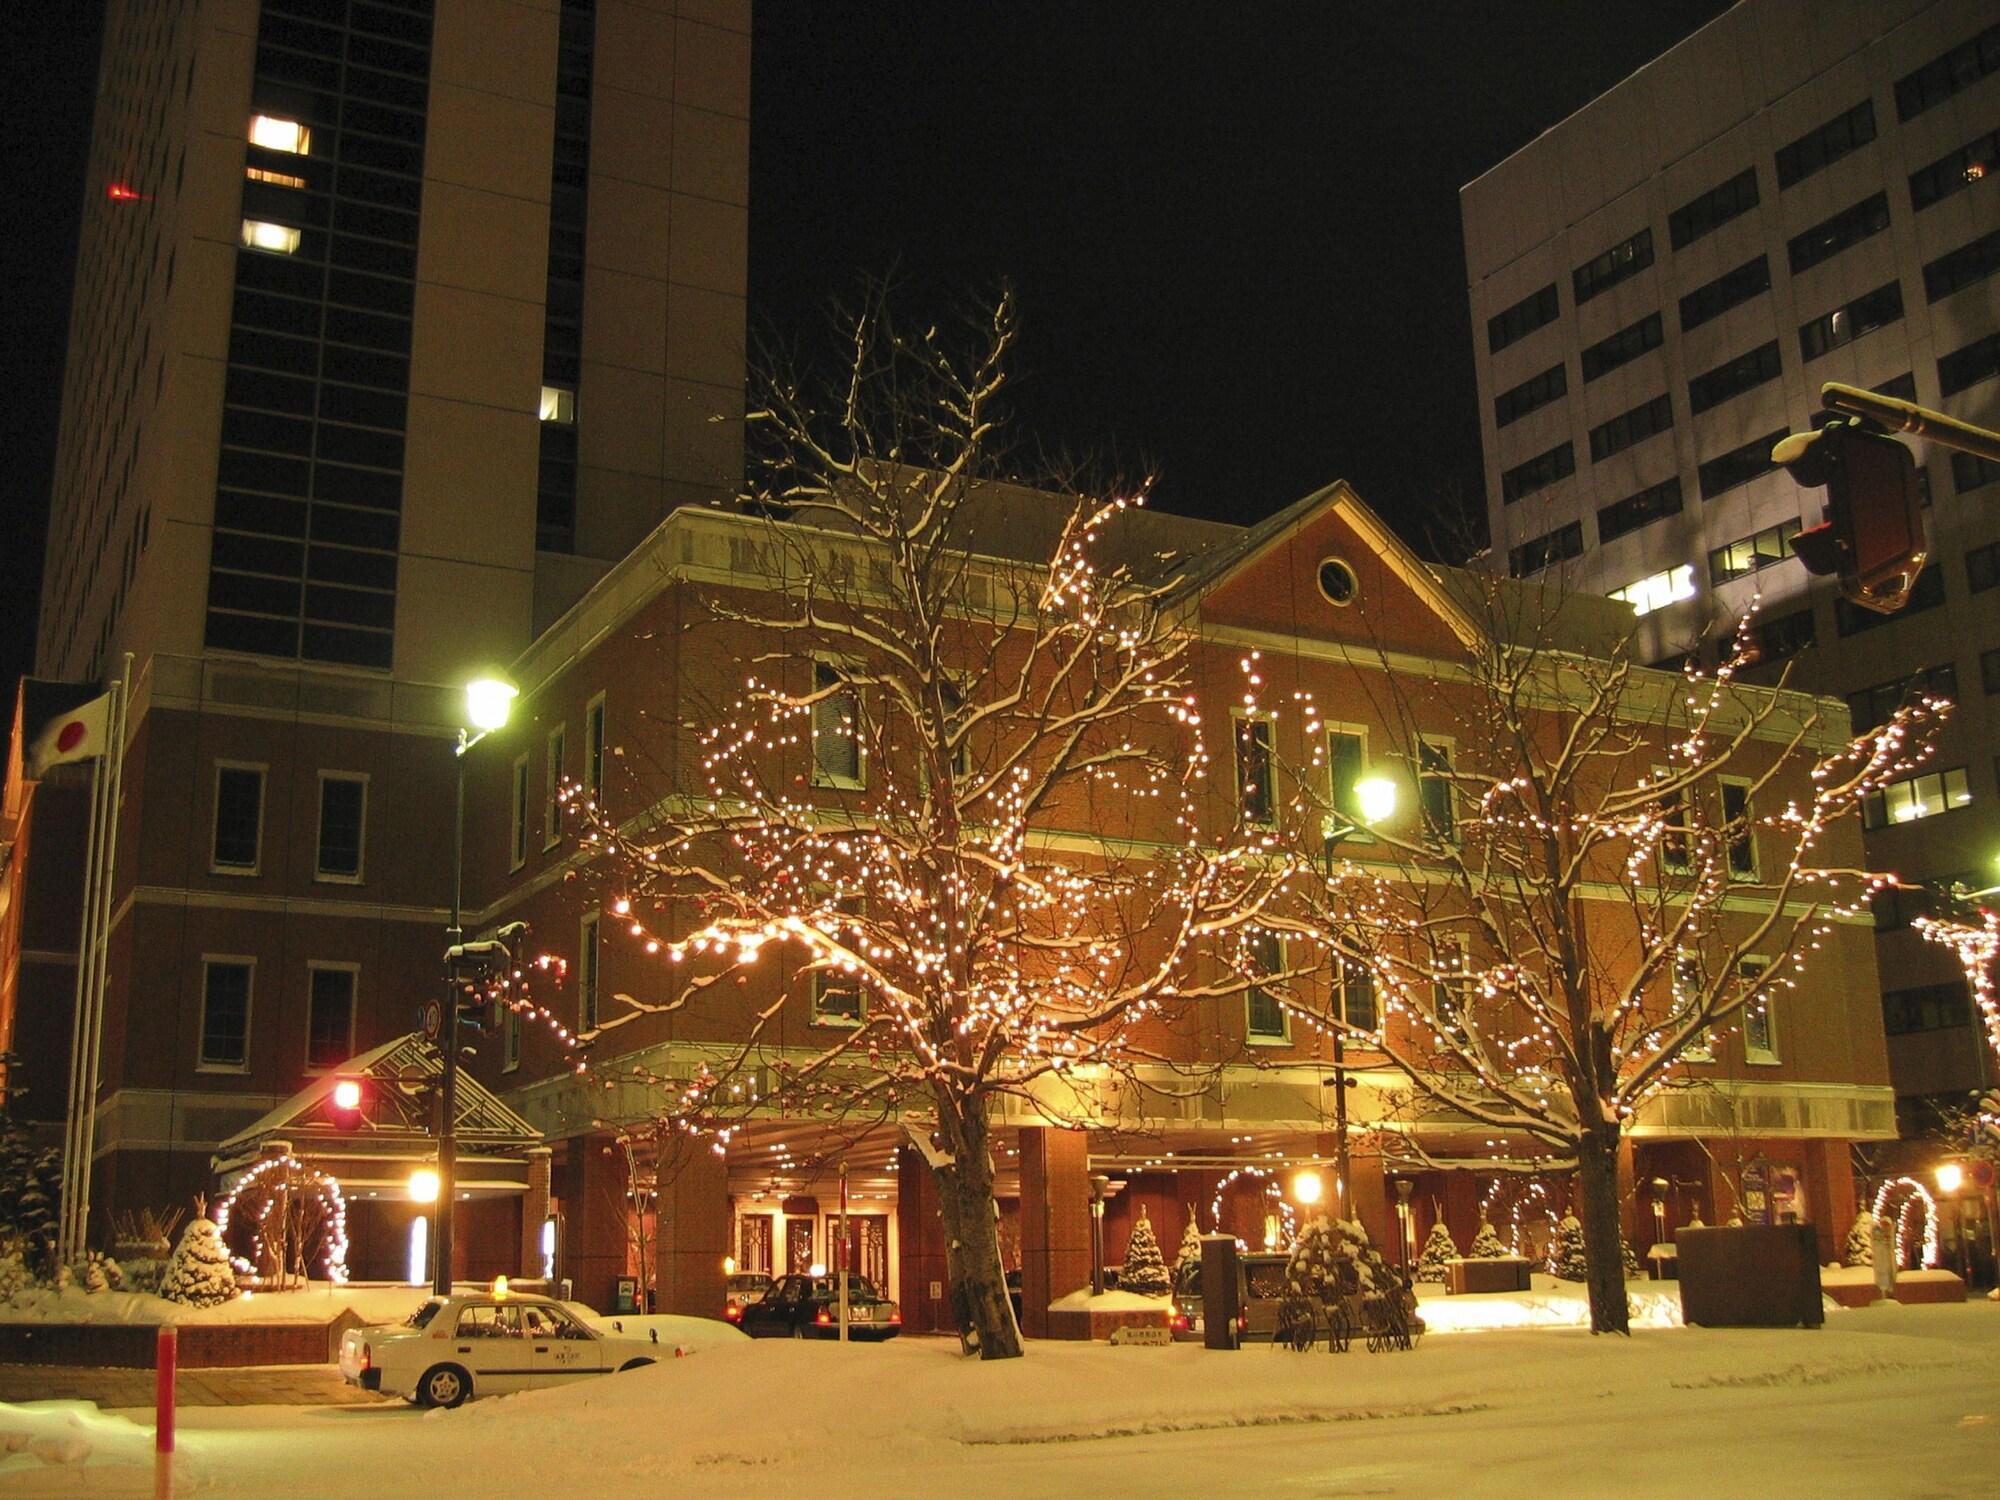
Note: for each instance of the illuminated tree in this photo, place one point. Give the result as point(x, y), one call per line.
point(1145, 1269)
point(1438, 1249)
point(944, 823)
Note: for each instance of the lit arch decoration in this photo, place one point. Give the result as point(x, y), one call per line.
point(1917, 1194)
point(1288, 1217)
point(324, 1185)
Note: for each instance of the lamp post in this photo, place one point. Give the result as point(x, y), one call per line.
point(1950, 1178)
point(486, 704)
point(1374, 800)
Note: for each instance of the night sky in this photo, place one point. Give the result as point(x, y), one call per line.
point(1233, 229)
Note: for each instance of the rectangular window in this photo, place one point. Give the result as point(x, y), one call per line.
point(1266, 1020)
point(1536, 310)
point(1654, 503)
point(836, 729)
point(225, 1014)
point(558, 404)
point(554, 768)
point(1967, 265)
point(1645, 420)
point(517, 833)
point(1903, 387)
point(587, 957)
point(1955, 172)
point(1845, 132)
point(837, 996)
point(1740, 828)
point(1435, 790)
point(1451, 987)
point(1714, 208)
point(1726, 471)
point(329, 1014)
point(1872, 707)
point(1539, 472)
point(343, 813)
point(1760, 1023)
point(279, 239)
point(1622, 347)
point(1357, 996)
point(1971, 472)
point(1731, 289)
point(1733, 377)
point(1256, 775)
point(1977, 361)
point(1625, 259)
point(1346, 766)
point(1945, 75)
point(1538, 391)
point(593, 748)
point(1982, 568)
point(1658, 590)
point(1782, 636)
point(1989, 670)
point(1928, 1007)
point(1688, 1000)
point(1915, 798)
point(1842, 326)
point(1753, 553)
point(1551, 547)
point(239, 819)
point(1852, 619)
point(1676, 837)
point(276, 134)
point(1845, 229)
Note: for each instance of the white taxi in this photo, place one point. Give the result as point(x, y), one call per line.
point(485, 1344)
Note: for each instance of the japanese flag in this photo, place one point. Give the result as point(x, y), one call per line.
point(77, 735)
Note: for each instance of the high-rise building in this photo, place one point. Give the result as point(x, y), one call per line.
point(1661, 283)
point(395, 325)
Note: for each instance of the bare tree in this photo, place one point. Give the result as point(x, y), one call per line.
point(1607, 867)
point(935, 850)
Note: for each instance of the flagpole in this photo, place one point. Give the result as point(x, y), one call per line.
point(114, 751)
point(73, 1112)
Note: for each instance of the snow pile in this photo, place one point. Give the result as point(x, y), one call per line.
point(1082, 1300)
point(68, 1433)
point(676, 1334)
point(1551, 1304)
point(317, 1303)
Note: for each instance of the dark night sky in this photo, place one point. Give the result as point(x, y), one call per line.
point(1233, 229)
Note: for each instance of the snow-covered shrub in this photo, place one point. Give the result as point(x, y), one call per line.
point(1566, 1250)
point(1439, 1247)
point(1187, 1261)
point(1145, 1269)
point(1487, 1242)
point(15, 1277)
point(199, 1274)
point(1861, 1240)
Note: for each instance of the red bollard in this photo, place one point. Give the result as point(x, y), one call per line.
point(166, 1360)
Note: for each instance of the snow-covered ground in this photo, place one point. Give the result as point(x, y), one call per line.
point(1883, 1402)
point(318, 1303)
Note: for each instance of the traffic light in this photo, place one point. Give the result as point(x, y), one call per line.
point(344, 1102)
point(1872, 536)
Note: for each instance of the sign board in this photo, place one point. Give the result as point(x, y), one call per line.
point(625, 1295)
point(1982, 1173)
point(937, 1290)
point(1142, 1337)
point(433, 1020)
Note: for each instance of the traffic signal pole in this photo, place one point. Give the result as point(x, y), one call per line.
point(447, 1136)
point(1906, 416)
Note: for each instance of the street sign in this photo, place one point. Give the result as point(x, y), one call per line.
point(433, 1020)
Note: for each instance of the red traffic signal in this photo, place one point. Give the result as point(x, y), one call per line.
point(345, 1099)
point(1872, 536)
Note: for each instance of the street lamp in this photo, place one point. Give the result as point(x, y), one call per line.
point(487, 701)
point(1374, 802)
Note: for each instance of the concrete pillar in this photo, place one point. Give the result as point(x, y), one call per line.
point(595, 1206)
point(693, 1234)
point(1829, 1174)
point(534, 1210)
point(924, 1290)
point(1367, 1190)
point(1461, 1207)
point(1055, 1220)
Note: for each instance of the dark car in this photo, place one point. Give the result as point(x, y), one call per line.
point(808, 1307)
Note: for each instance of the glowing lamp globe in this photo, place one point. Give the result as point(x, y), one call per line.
point(487, 702)
point(347, 1094)
point(1950, 1177)
point(1376, 796)
point(423, 1186)
point(1306, 1188)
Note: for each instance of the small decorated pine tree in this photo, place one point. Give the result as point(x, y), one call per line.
point(1861, 1240)
point(1323, 1246)
point(1187, 1262)
point(1439, 1247)
point(198, 1273)
point(1145, 1269)
point(1566, 1250)
point(1487, 1242)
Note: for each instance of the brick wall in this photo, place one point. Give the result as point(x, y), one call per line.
point(203, 1346)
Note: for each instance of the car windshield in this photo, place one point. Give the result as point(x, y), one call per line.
point(857, 1287)
point(422, 1316)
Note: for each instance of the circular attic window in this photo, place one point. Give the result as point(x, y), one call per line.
point(1337, 582)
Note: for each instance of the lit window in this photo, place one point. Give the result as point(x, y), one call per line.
point(558, 405)
point(276, 179)
point(1916, 797)
point(1658, 590)
point(275, 134)
point(259, 235)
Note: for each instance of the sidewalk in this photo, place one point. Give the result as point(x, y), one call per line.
point(263, 1385)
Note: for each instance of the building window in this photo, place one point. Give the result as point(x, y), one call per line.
point(1982, 568)
point(1903, 387)
point(587, 956)
point(836, 729)
point(1730, 289)
point(1845, 229)
point(1256, 773)
point(1357, 996)
point(510, 1038)
point(1945, 75)
point(1676, 837)
point(1966, 266)
point(1927, 1007)
point(1917, 797)
point(1622, 347)
point(1625, 259)
point(1871, 707)
point(558, 404)
point(225, 1014)
point(838, 998)
point(593, 748)
point(1635, 426)
point(1538, 391)
point(1536, 310)
point(1539, 472)
point(1658, 590)
point(1688, 1002)
point(1852, 619)
point(1955, 172)
point(1714, 208)
point(1977, 361)
point(239, 819)
point(1435, 790)
point(1726, 471)
point(554, 768)
point(1783, 636)
point(279, 239)
point(1740, 828)
point(1346, 766)
point(1878, 309)
point(343, 810)
point(1654, 503)
point(1752, 554)
point(1989, 670)
point(1451, 988)
point(517, 832)
point(1733, 377)
point(329, 1015)
point(1969, 471)
point(1551, 547)
point(276, 134)
point(1845, 132)
point(1266, 1020)
point(1760, 1021)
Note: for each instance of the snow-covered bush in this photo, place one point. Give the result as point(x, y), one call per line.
point(1487, 1242)
point(199, 1274)
point(1439, 1247)
point(15, 1277)
point(1187, 1261)
point(1861, 1240)
point(1145, 1269)
point(1323, 1246)
point(1566, 1250)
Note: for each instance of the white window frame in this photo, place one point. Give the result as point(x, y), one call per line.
point(1282, 1037)
point(234, 960)
point(831, 981)
point(517, 816)
point(1360, 832)
point(1345, 969)
point(820, 776)
point(326, 877)
point(1753, 966)
point(555, 750)
point(1685, 865)
point(256, 865)
point(1701, 1048)
point(1420, 777)
point(1238, 718)
point(1459, 989)
point(589, 970)
point(1729, 843)
point(353, 972)
point(594, 748)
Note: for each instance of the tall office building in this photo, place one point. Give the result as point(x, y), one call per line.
point(1661, 283)
point(395, 325)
